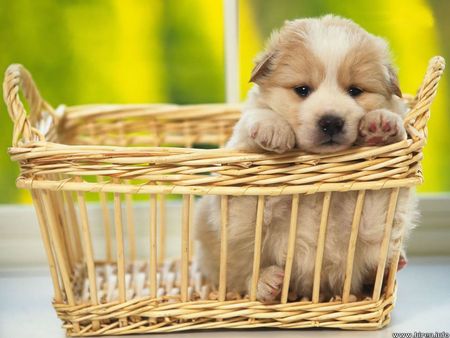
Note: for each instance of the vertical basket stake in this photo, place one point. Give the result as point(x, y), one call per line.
point(75, 231)
point(120, 250)
point(290, 249)
point(191, 221)
point(153, 257)
point(352, 245)
point(390, 284)
point(162, 229)
point(65, 227)
point(257, 248)
point(60, 257)
point(223, 248)
point(321, 246)
point(106, 222)
point(130, 225)
point(185, 247)
point(48, 250)
point(385, 244)
point(62, 228)
point(87, 239)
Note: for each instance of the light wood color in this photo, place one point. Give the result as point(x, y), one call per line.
point(290, 249)
point(89, 253)
point(47, 246)
point(223, 247)
point(131, 233)
point(131, 150)
point(385, 244)
point(321, 246)
point(191, 222)
point(153, 246)
point(73, 230)
point(106, 223)
point(61, 228)
point(390, 283)
point(185, 247)
point(257, 247)
point(58, 246)
point(352, 245)
point(120, 258)
point(162, 229)
point(63, 225)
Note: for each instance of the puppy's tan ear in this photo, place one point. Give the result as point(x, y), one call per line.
point(393, 81)
point(262, 66)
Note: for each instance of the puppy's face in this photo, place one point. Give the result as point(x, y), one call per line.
point(323, 75)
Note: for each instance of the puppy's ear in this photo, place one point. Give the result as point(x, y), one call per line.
point(393, 81)
point(262, 66)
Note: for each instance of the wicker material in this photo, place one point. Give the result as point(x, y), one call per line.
point(116, 152)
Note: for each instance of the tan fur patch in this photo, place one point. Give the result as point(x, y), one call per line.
point(292, 62)
point(362, 68)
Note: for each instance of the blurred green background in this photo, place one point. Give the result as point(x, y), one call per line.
point(114, 51)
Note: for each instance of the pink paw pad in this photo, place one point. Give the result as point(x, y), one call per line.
point(386, 127)
point(374, 140)
point(373, 127)
point(380, 127)
point(402, 262)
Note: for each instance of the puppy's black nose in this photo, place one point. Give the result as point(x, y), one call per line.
point(331, 124)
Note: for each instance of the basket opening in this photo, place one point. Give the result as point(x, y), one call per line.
point(205, 127)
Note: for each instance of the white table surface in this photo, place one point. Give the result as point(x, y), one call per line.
point(423, 304)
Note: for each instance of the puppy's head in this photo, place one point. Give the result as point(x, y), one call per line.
point(323, 75)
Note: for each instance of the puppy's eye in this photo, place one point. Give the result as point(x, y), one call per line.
point(354, 91)
point(303, 91)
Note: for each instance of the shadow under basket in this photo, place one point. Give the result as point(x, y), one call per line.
point(111, 184)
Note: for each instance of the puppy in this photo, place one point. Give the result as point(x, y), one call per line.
point(322, 85)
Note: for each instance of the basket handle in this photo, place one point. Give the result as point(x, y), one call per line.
point(417, 118)
point(16, 78)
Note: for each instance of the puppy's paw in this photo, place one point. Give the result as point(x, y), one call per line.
point(381, 127)
point(402, 262)
point(270, 283)
point(273, 135)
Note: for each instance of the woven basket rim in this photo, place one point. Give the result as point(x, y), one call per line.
point(378, 164)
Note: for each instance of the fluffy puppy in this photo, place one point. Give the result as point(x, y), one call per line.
point(322, 85)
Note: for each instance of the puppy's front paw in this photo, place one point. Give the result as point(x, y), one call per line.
point(380, 127)
point(273, 135)
point(270, 283)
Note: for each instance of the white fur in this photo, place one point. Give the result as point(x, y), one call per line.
point(331, 54)
point(275, 120)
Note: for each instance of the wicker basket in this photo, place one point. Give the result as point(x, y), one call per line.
point(123, 157)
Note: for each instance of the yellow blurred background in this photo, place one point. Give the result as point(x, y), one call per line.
point(115, 51)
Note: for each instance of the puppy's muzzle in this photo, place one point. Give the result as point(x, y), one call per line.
point(331, 125)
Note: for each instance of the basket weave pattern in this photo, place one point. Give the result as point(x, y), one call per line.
point(150, 150)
